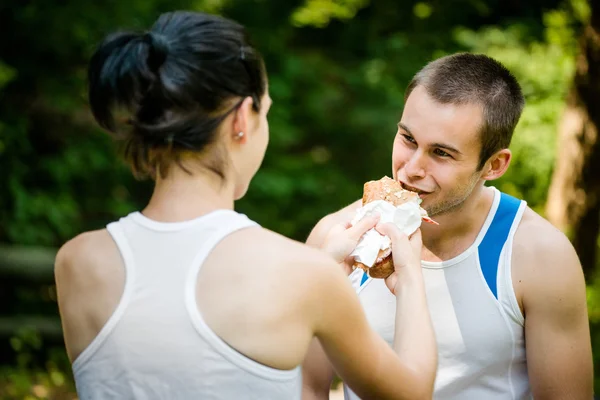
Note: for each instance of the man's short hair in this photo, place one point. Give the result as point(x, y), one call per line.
point(464, 78)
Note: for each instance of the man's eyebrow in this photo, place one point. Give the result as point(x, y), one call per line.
point(404, 127)
point(438, 145)
point(446, 147)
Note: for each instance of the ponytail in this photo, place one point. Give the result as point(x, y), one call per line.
point(121, 72)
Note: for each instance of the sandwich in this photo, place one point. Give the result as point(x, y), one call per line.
point(395, 204)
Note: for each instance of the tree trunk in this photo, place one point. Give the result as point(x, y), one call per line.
point(574, 196)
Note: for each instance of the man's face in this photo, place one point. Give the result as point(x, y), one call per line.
point(436, 151)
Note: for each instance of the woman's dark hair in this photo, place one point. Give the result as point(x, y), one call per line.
point(178, 82)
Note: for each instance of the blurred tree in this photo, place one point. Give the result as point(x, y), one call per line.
point(574, 197)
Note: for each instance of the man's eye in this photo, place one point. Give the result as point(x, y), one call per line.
point(441, 153)
point(409, 138)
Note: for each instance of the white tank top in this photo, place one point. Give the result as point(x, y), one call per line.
point(156, 344)
point(476, 317)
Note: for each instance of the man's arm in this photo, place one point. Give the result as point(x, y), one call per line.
point(559, 355)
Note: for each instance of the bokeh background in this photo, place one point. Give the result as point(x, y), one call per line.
point(338, 70)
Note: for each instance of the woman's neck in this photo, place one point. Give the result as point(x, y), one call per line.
point(182, 196)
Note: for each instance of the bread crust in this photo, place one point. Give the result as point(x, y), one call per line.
point(387, 189)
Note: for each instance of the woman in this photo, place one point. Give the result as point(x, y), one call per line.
point(189, 299)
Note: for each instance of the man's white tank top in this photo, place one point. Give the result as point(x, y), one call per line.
point(156, 344)
point(477, 321)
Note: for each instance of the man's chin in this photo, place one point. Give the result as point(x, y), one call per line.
point(435, 213)
point(438, 210)
point(429, 205)
point(434, 208)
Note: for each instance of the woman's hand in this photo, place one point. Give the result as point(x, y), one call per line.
point(343, 238)
point(406, 253)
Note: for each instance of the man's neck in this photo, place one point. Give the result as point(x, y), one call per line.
point(458, 228)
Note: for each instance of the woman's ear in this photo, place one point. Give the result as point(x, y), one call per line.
point(243, 121)
point(497, 165)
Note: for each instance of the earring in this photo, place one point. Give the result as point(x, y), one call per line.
point(239, 135)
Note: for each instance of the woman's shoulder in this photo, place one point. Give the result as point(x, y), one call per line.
point(271, 248)
point(83, 255)
point(84, 245)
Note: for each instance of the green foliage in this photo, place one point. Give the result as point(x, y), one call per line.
point(6, 74)
point(318, 13)
point(29, 379)
point(580, 9)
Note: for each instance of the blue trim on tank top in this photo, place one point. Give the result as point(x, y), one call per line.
point(364, 278)
point(492, 244)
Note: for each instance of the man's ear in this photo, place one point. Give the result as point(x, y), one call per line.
point(497, 165)
point(243, 121)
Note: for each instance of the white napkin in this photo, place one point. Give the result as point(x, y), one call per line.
point(407, 217)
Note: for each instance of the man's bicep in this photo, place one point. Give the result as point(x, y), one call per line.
point(559, 360)
point(559, 356)
point(317, 373)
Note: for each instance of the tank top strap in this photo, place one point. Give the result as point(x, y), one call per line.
point(507, 216)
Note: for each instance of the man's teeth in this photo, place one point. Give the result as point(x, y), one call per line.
point(411, 189)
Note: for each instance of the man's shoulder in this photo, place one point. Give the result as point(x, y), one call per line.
point(543, 253)
point(537, 234)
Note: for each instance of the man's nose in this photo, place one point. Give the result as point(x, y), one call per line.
point(415, 167)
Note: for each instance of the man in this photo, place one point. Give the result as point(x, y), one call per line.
point(505, 288)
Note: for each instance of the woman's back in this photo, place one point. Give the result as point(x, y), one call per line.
point(156, 342)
